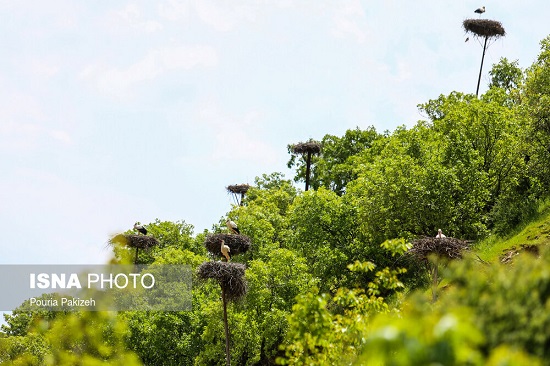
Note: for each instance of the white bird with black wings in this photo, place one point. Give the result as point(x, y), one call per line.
point(140, 228)
point(225, 251)
point(480, 10)
point(232, 227)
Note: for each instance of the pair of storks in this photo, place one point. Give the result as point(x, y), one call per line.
point(224, 248)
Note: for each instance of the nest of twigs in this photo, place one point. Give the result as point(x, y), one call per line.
point(238, 244)
point(238, 188)
point(484, 28)
point(230, 276)
point(135, 241)
point(443, 247)
point(312, 147)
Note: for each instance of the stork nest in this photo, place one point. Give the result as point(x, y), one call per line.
point(443, 247)
point(484, 28)
point(238, 188)
point(237, 243)
point(313, 147)
point(230, 276)
point(135, 241)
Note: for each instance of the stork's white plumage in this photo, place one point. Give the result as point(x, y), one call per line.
point(225, 251)
point(232, 227)
point(480, 10)
point(440, 234)
point(140, 228)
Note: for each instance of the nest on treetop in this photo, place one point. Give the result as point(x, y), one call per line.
point(484, 28)
point(238, 244)
point(230, 276)
point(238, 188)
point(135, 241)
point(442, 247)
point(313, 147)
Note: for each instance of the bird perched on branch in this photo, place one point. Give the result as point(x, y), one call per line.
point(225, 251)
point(232, 227)
point(140, 228)
point(480, 10)
point(440, 234)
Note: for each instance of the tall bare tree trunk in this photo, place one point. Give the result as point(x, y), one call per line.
point(227, 354)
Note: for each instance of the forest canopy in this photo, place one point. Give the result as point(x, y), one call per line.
point(328, 269)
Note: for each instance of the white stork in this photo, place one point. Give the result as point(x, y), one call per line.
point(232, 227)
point(440, 234)
point(480, 10)
point(225, 251)
point(140, 228)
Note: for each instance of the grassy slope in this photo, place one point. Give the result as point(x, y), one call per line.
point(535, 232)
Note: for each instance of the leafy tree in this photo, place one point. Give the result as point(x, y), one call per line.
point(327, 330)
point(333, 168)
point(323, 230)
point(491, 315)
point(509, 77)
point(177, 234)
point(86, 338)
point(538, 93)
point(263, 215)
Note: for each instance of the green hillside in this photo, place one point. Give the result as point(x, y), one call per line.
point(533, 233)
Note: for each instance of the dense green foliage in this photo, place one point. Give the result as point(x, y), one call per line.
point(329, 281)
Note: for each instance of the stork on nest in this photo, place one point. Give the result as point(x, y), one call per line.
point(446, 247)
point(487, 29)
point(441, 247)
point(237, 244)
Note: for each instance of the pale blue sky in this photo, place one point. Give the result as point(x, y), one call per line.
point(113, 112)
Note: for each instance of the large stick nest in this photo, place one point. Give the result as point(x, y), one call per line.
point(443, 247)
point(238, 244)
point(484, 28)
point(135, 241)
point(313, 147)
point(238, 188)
point(230, 276)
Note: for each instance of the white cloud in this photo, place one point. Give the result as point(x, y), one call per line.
point(174, 10)
point(24, 136)
point(347, 20)
point(61, 136)
point(235, 138)
point(131, 18)
point(43, 69)
point(220, 16)
point(158, 62)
